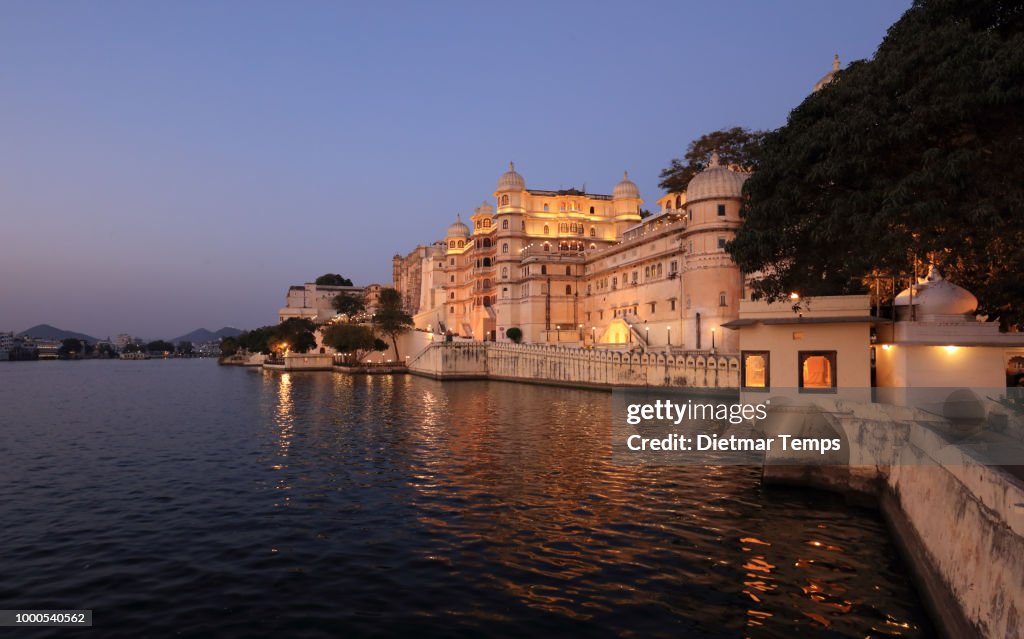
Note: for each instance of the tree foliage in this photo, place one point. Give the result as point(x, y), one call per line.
point(911, 156)
point(391, 320)
point(160, 346)
point(348, 304)
point(515, 334)
point(736, 147)
point(333, 279)
point(71, 347)
point(229, 346)
point(353, 340)
point(295, 334)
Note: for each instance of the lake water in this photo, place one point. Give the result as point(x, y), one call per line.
point(182, 498)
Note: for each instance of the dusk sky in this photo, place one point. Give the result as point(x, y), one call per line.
point(167, 166)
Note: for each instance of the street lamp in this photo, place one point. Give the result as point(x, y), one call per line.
point(712, 340)
point(593, 335)
point(558, 333)
point(581, 332)
point(669, 336)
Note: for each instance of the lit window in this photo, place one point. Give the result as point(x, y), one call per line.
point(754, 365)
point(817, 370)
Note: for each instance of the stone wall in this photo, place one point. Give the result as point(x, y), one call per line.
point(541, 363)
point(959, 523)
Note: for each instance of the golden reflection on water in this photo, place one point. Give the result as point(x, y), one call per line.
point(284, 424)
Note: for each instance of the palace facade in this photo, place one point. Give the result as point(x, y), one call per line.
point(568, 266)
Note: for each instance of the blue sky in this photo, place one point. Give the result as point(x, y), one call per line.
point(166, 166)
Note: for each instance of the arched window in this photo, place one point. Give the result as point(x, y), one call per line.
point(721, 299)
point(504, 247)
point(615, 282)
point(460, 243)
point(659, 270)
point(487, 223)
point(547, 208)
point(451, 244)
point(504, 200)
point(568, 270)
point(543, 269)
point(452, 295)
point(487, 282)
point(647, 272)
point(568, 289)
point(487, 261)
point(679, 202)
point(504, 224)
point(591, 210)
point(504, 271)
point(547, 231)
point(562, 227)
point(593, 232)
point(487, 242)
point(547, 247)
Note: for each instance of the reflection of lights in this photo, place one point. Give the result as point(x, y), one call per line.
point(951, 349)
point(886, 347)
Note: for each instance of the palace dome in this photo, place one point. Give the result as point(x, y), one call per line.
point(825, 79)
point(936, 296)
point(716, 181)
point(626, 188)
point(485, 209)
point(458, 229)
point(510, 180)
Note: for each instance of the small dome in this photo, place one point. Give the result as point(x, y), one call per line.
point(936, 296)
point(458, 229)
point(626, 188)
point(825, 79)
point(485, 209)
point(716, 181)
point(510, 180)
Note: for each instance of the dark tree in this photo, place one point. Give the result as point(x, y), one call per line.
point(333, 279)
point(185, 348)
point(391, 320)
point(256, 340)
point(294, 334)
point(160, 346)
point(106, 350)
point(348, 304)
point(229, 346)
point(912, 156)
point(71, 347)
point(515, 334)
point(736, 147)
point(351, 339)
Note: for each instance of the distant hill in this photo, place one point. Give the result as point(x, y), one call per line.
point(45, 331)
point(201, 335)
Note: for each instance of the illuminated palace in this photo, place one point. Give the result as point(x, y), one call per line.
point(577, 267)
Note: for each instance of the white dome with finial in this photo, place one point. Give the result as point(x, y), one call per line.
point(825, 79)
point(937, 297)
point(458, 229)
point(510, 180)
point(716, 182)
point(485, 209)
point(626, 188)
